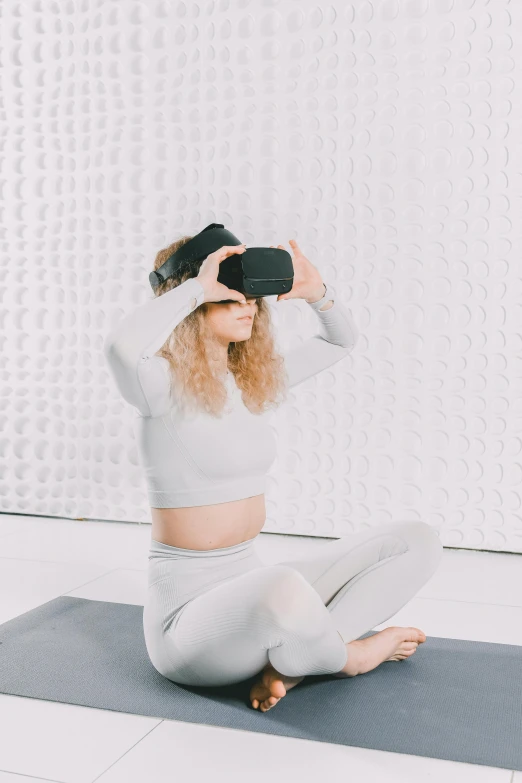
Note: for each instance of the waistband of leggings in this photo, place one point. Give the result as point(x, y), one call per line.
point(158, 547)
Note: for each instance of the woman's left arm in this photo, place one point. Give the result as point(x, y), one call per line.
point(338, 333)
point(336, 339)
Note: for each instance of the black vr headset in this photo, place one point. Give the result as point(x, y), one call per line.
point(258, 271)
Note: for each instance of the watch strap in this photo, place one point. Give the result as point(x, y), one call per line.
point(328, 294)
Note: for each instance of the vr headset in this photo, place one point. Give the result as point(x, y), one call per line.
point(259, 271)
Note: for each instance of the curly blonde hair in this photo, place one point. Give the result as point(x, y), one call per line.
point(259, 370)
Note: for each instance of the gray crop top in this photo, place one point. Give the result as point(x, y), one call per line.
point(197, 459)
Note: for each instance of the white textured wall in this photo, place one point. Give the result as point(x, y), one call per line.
point(384, 136)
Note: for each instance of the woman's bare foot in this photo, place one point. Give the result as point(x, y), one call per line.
point(271, 687)
point(390, 644)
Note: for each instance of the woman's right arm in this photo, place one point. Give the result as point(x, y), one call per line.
point(129, 348)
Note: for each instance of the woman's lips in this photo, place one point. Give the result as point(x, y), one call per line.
point(245, 318)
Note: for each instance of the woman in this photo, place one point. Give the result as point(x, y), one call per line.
point(203, 374)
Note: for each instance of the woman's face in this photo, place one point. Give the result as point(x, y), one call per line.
point(232, 321)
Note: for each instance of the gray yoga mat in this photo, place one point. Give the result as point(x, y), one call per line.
point(455, 700)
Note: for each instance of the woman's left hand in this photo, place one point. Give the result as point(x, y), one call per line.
point(308, 283)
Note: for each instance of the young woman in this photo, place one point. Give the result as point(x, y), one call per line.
point(203, 376)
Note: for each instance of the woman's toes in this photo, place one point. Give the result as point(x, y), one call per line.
point(263, 697)
point(419, 635)
point(269, 703)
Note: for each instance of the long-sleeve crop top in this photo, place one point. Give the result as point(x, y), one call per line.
point(199, 459)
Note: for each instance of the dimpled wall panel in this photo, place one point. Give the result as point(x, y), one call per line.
point(385, 136)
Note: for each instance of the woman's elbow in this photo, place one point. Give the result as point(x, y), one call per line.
point(352, 339)
point(119, 354)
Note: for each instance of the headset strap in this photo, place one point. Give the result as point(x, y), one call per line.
point(200, 246)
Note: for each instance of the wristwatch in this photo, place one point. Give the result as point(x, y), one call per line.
point(329, 293)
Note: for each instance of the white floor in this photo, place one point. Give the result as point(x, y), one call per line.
point(473, 595)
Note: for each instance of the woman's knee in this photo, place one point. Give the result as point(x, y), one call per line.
point(425, 540)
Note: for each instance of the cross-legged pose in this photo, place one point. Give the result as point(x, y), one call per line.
point(199, 365)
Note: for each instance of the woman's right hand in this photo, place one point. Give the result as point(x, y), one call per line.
point(209, 271)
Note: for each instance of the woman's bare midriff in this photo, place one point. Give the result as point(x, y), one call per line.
point(209, 527)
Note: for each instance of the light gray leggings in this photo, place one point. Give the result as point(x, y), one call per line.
point(217, 617)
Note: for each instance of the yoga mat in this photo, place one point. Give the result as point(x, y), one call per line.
point(453, 699)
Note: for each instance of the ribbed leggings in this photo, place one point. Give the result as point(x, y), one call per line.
point(217, 617)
